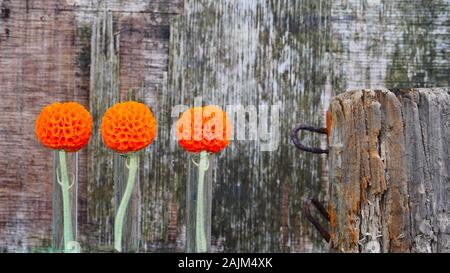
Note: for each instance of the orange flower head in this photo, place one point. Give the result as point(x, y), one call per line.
point(128, 127)
point(64, 126)
point(204, 129)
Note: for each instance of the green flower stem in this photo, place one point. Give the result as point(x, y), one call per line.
point(67, 217)
point(118, 225)
point(200, 234)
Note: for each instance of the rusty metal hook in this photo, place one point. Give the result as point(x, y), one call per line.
point(302, 147)
point(307, 205)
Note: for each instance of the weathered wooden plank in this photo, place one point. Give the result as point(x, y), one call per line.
point(389, 171)
point(104, 92)
point(38, 51)
point(390, 44)
point(139, 79)
point(301, 53)
point(254, 53)
point(427, 142)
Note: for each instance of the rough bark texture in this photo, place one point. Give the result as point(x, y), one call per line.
point(231, 52)
point(390, 171)
point(296, 52)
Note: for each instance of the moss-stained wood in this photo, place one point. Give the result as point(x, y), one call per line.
point(389, 171)
point(390, 43)
point(104, 93)
point(254, 53)
point(141, 63)
point(426, 115)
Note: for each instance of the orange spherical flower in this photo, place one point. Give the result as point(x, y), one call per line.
point(128, 127)
point(204, 129)
point(64, 126)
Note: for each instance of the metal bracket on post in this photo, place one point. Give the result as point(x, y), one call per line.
point(323, 231)
point(302, 147)
point(307, 205)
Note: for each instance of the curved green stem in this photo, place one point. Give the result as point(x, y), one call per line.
point(125, 200)
point(200, 234)
point(67, 217)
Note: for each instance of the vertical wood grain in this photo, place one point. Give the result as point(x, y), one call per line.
point(104, 92)
point(256, 53)
point(389, 171)
point(37, 62)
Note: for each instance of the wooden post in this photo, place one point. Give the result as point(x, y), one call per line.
point(389, 171)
